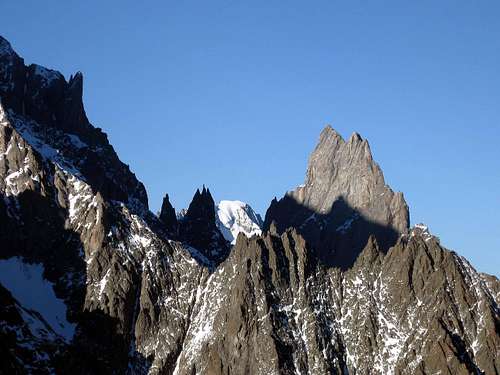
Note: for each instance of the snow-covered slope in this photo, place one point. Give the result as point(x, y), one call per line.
point(25, 281)
point(234, 217)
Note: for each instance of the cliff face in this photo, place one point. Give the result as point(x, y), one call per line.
point(350, 290)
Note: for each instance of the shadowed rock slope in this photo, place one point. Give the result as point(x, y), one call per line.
point(158, 296)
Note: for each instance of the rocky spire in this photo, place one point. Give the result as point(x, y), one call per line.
point(199, 229)
point(168, 216)
point(12, 77)
point(343, 200)
point(74, 117)
point(202, 207)
point(346, 169)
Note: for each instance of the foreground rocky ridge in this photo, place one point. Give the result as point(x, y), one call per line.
point(154, 295)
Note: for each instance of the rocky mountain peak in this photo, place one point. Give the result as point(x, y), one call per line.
point(57, 117)
point(198, 227)
point(355, 138)
point(76, 82)
point(338, 168)
point(202, 207)
point(123, 296)
point(329, 133)
point(169, 217)
point(343, 201)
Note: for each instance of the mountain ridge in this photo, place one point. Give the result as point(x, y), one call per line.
point(355, 290)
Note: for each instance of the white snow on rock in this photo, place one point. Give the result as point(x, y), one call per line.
point(181, 214)
point(421, 230)
point(27, 285)
point(234, 217)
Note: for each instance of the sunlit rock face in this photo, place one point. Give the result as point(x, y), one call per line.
point(343, 201)
point(352, 290)
point(340, 169)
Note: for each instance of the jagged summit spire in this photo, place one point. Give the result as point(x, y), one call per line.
point(355, 137)
point(329, 130)
point(76, 83)
point(202, 206)
point(199, 228)
point(168, 216)
point(338, 168)
point(330, 136)
point(344, 192)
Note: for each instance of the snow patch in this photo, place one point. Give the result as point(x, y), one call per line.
point(421, 230)
point(76, 141)
point(47, 76)
point(27, 285)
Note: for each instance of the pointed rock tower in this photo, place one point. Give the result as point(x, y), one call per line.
point(199, 229)
point(169, 217)
point(343, 201)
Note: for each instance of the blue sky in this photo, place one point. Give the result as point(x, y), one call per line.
point(234, 94)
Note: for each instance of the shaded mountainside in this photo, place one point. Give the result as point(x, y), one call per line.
point(337, 283)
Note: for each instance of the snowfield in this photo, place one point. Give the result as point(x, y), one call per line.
point(234, 217)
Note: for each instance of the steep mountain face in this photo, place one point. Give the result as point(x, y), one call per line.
point(234, 217)
point(166, 296)
point(344, 200)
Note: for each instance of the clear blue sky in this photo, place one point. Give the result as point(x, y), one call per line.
point(234, 95)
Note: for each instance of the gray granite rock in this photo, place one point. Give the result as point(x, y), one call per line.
point(343, 201)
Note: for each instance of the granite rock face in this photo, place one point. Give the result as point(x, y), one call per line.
point(344, 200)
point(346, 169)
point(146, 300)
